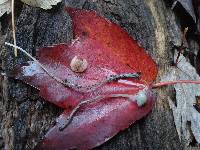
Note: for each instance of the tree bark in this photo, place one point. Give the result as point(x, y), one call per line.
point(25, 117)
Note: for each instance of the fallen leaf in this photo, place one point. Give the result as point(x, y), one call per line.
point(45, 4)
point(197, 104)
point(184, 110)
point(5, 7)
point(109, 51)
point(188, 6)
point(95, 124)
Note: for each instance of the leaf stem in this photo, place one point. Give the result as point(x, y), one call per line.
point(156, 85)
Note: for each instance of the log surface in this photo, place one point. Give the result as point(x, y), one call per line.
point(25, 117)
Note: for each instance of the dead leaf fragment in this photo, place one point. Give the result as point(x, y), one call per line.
point(197, 104)
point(45, 4)
point(188, 6)
point(186, 94)
point(5, 6)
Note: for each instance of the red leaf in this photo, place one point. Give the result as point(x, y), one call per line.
point(109, 50)
point(88, 24)
point(96, 123)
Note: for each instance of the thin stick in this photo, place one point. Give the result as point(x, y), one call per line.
point(51, 75)
point(112, 78)
point(75, 86)
point(98, 98)
point(156, 85)
point(13, 26)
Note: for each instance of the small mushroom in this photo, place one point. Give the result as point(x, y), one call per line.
point(141, 98)
point(78, 65)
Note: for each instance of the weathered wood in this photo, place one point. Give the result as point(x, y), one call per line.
point(26, 117)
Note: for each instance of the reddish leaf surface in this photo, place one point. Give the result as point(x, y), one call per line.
point(96, 123)
point(109, 50)
point(115, 39)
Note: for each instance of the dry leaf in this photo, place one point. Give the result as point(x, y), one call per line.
point(188, 6)
point(5, 6)
point(118, 53)
point(186, 117)
point(45, 4)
